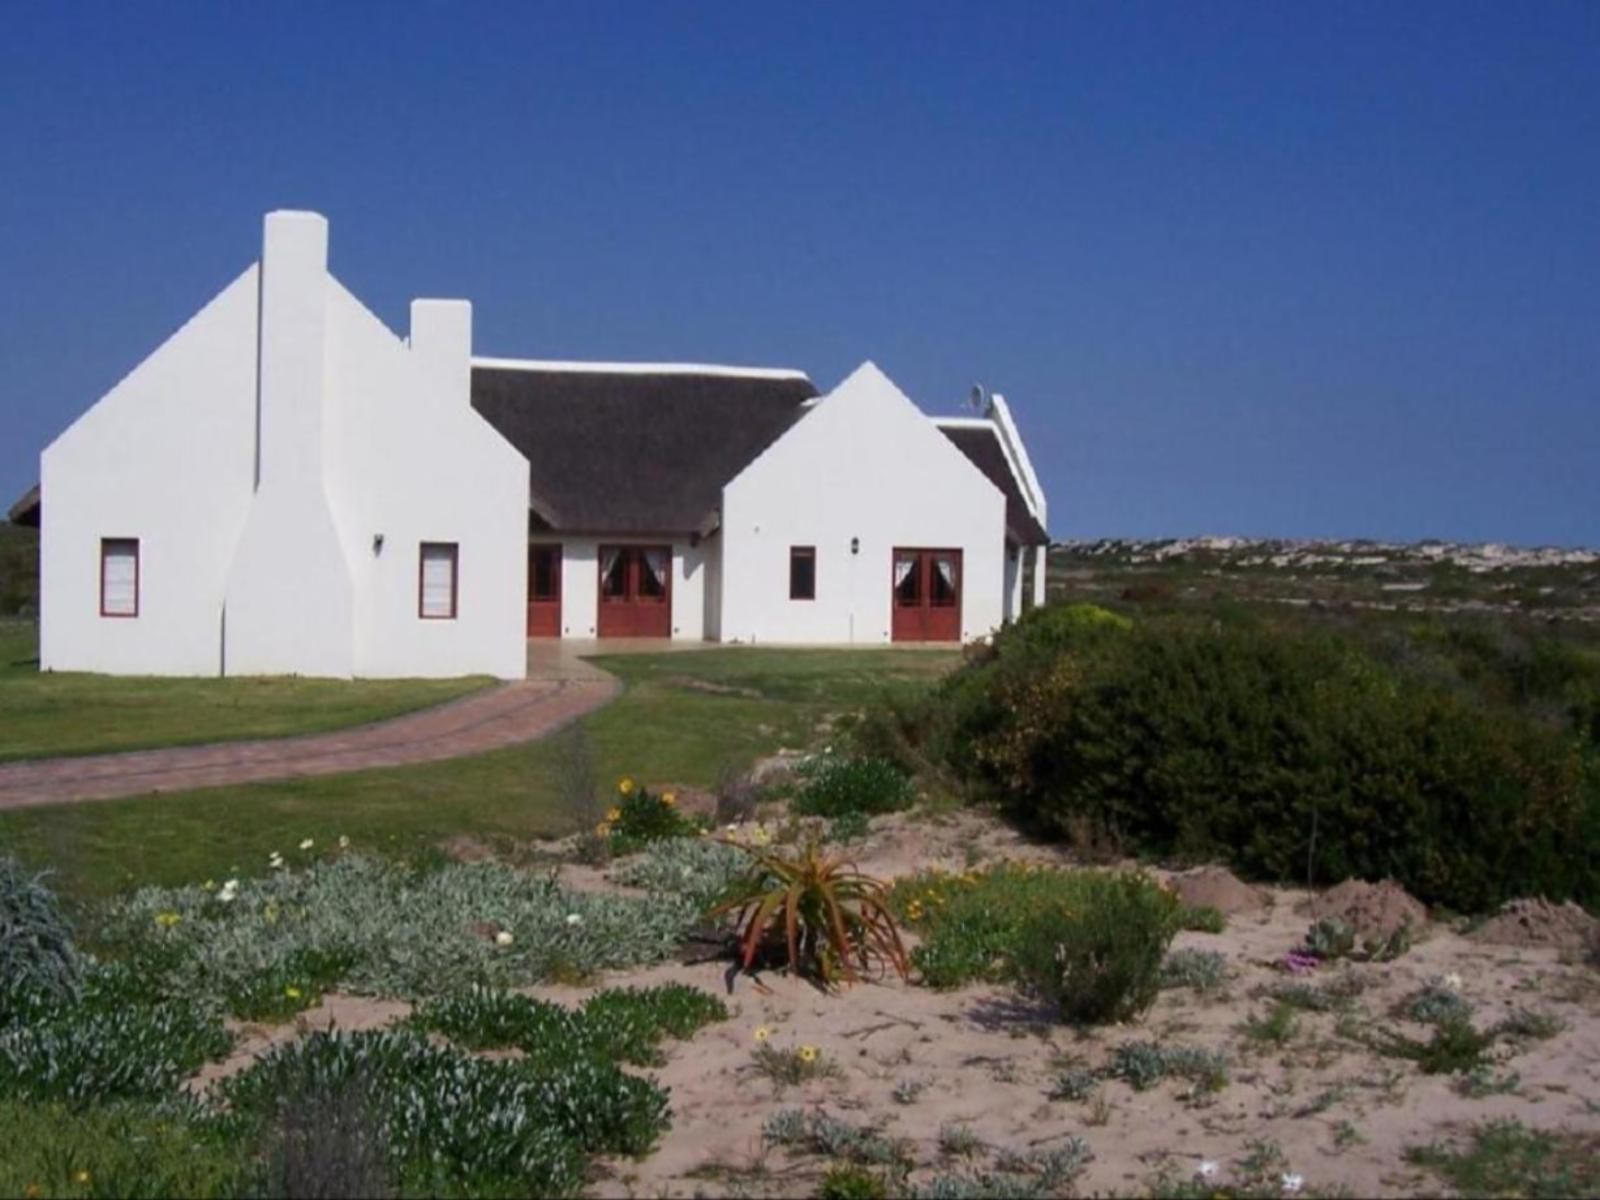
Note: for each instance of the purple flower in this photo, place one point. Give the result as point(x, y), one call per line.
point(1298, 962)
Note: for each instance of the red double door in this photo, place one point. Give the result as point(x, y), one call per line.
point(635, 591)
point(927, 596)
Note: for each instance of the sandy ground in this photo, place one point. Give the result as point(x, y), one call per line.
point(985, 1058)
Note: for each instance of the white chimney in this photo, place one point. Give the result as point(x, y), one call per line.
point(441, 345)
point(290, 399)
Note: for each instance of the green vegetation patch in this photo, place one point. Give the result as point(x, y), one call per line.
point(1505, 1158)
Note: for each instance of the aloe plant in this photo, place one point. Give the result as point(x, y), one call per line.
point(832, 921)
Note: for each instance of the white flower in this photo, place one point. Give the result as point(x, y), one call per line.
point(1207, 1170)
point(229, 891)
point(307, 844)
point(574, 918)
point(276, 861)
point(344, 842)
point(1452, 981)
point(503, 938)
point(1293, 1183)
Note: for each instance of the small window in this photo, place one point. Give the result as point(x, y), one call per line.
point(907, 580)
point(119, 577)
point(802, 572)
point(436, 585)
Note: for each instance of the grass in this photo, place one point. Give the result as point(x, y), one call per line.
point(668, 727)
point(45, 715)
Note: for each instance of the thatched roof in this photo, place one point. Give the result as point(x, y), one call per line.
point(635, 450)
point(26, 510)
point(981, 444)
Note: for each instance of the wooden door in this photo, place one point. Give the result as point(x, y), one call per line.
point(544, 590)
point(635, 591)
point(926, 596)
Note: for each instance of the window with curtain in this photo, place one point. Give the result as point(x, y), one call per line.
point(119, 577)
point(907, 580)
point(613, 573)
point(942, 582)
point(653, 565)
point(802, 572)
point(436, 586)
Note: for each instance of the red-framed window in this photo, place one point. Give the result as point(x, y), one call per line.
point(119, 577)
point(437, 580)
point(802, 572)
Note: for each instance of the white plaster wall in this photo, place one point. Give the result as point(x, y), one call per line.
point(863, 463)
point(580, 585)
point(166, 456)
point(1013, 588)
point(410, 460)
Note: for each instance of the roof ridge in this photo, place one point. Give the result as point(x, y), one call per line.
point(637, 368)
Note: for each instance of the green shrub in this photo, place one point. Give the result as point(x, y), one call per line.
point(615, 1025)
point(1198, 970)
point(845, 1182)
point(1454, 1047)
point(36, 951)
point(1144, 1064)
point(138, 1151)
point(1203, 918)
point(832, 785)
point(278, 992)
point(458, 1123)
point(640, 817)
point(102, 1046)
point(1283, 752)
point(1098, 959)
point(698, 869)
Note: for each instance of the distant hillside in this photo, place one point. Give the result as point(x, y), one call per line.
point(19, 570)
point(1426, 576)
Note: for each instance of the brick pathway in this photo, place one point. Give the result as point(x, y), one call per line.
point(501, 716)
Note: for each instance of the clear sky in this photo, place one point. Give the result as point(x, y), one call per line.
point(1240, 268)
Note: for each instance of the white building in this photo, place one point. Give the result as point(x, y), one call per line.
point(285, 486)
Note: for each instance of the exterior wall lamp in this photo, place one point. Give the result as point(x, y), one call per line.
point(855, 545)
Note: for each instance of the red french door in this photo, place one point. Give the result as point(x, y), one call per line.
point(927, 596)
point(635, 591)
point(544, 590)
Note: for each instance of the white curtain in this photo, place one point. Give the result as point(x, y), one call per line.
point(947, 572)
point(902, 568)
point(608, 562)
point(656, 562)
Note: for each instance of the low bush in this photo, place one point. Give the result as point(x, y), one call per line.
point(1197, 970)
point(1144, 1064)
point(698, 869)
point(1290, 754)
point(640, 817)
point(834, 785)
point(1090, 943)
point(105, 1045)
point(615, 1025)
point(1098, 959)
point(454, 1123)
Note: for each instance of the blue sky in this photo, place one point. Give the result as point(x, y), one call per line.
point(1240, 268)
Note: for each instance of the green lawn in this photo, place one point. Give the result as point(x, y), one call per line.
point(683, 719)
point(44, 715)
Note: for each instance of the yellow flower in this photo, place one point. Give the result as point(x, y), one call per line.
point(669, 800)
point(209, 885)
point(625, 786)
point(807, 1054)
point(613, 815)
point(167, 919)
point(81, 1178)
point(603, 829)
point(914, 910)
point(762, 1033)
point(292, 992)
